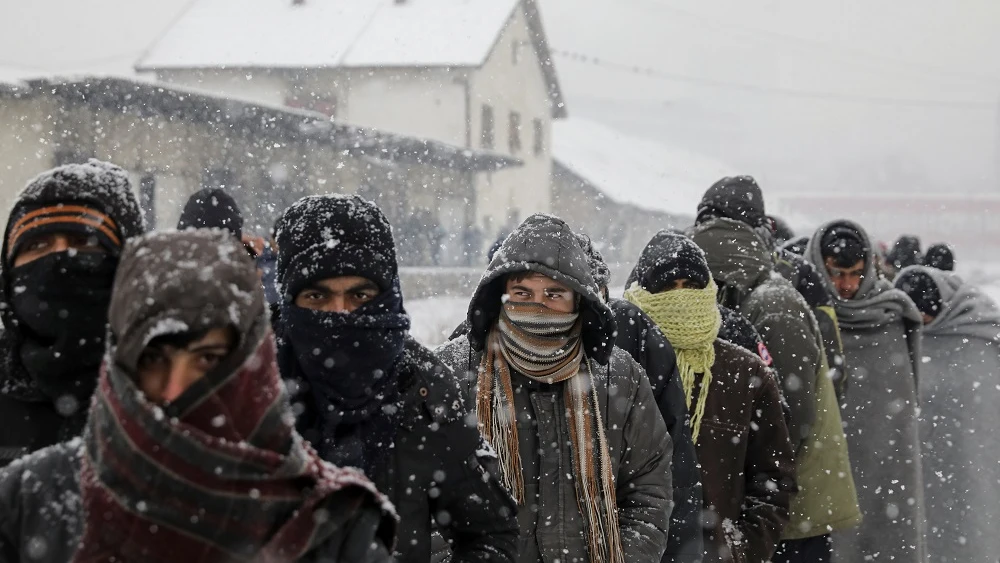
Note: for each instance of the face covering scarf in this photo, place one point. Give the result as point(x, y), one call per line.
point(350, 363)
point(61, 304)
point(690, 320)
point(546, 346)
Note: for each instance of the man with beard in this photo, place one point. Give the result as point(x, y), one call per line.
point(880, 326)
point(733, 230)
point(370, 396)
point(60, 251)
point(581, 443)
point(190, 454)
point(958, 414)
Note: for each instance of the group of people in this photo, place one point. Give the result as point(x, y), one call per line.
point(200, 395)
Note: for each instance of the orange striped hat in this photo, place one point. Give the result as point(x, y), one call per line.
point(61, 218)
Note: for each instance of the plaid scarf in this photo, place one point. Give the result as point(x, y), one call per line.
point(226, 480)
point(546, 346)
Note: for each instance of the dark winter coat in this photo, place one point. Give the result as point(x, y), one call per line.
point(747, 464)
point(880, 327)
point(960, 391)
point(640, 447)
point(826, 500)
point(438, 470)
point(809, 283)
point(41, 493)
point(639, 336)
point(737, 330)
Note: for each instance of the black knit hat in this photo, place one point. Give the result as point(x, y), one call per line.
point(669, 257)
point(94, 198)
point(940, 256)
point(905, 252)
point(212, 208)
point(737, 198)
point(598, 267)
point(922, 290)
point(844, 245)
point(334, 235)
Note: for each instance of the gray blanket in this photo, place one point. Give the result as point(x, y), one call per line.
point(880, 328)
point(959, 422)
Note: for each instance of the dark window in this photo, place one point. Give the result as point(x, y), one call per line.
point(487, 127)
point(515, 132)
point(539, 147)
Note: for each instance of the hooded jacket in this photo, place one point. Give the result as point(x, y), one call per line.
point(33, 414)
point(742, 260)
point(880, 328)
point(45, 497)
point(960, 373)
point(637, 438)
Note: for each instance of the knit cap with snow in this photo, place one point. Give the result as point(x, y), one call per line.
point(922, 290)
point(669, 257)
point(940, 256)
point(334, 235)
point(737, 198)
point(66, 193)
point(598, 267)
point(905, 252)
point(212, 208)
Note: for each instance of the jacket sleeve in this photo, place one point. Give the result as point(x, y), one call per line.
point(362, 538)
point(473, 511)
point(644, 484)
point(791, 338)
point(769, 473)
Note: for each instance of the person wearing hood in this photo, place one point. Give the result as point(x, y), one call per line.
point(748, 469)
point(60, 251)
point(370, 396)
point(958, 416)
point(732, 229)
point(905, 253)
point(880, 326)
point(940, 256)
point(189, 453)
point(588, 457)
point(638, 335)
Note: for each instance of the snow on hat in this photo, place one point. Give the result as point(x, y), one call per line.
point(905, 252)
point(738, 198)
point(334, 235)
point(212, 208)
point(598, 267)
point(940, 256)
point(844, 245)
point(669, 257)
point(93, 198)
point(922, 290)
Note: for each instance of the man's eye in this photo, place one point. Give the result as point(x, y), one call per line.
point(38, 244)
point(363, 296)
point(209, 361)
point(151, 359)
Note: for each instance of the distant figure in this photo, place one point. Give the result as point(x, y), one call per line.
point(781, 230)
point(940, 256)
point(212, 208)
point(905, 252)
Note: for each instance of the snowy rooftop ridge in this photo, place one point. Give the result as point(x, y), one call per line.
point(633, 170)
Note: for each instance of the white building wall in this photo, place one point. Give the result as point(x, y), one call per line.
point(512, 83)
point(25, 150)
point(260, 86)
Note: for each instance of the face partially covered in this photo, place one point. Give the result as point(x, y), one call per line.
point(342, 294)
point(170, 364)
point(532, 287)
point(847, 281)
point(43, 244)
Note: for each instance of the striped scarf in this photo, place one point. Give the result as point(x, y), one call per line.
point(546, 346)
point(229, 480)
point(690, 319)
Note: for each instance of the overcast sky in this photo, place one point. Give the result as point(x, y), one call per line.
point(848, 95)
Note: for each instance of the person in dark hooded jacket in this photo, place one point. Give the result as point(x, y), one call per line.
point(370, 396)
point(588, 459)
point(732, 229)
point(905, 252)
point(189, 452)
point(60, 251)
point(212, 208)
point(746, 459)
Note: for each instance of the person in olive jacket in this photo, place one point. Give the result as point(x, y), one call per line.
point(582, 445)
point(748, 469)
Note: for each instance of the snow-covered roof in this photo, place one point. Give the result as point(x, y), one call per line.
point(632, 170)
point(330, 33)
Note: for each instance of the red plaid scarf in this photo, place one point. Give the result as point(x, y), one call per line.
point(229, 480)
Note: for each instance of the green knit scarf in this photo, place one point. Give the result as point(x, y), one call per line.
point(690, 320)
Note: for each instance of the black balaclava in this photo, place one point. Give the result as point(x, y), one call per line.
point(940, 256)
point(55, 307)
point(350, 362)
